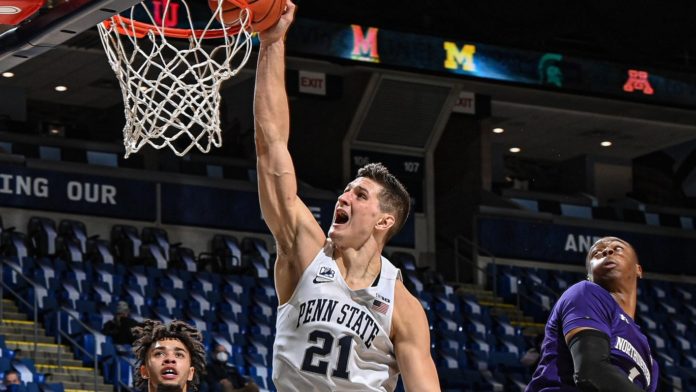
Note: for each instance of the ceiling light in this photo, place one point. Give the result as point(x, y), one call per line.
point(515, 149)
point(61, 88)
point(605, 143)
point(8, 74)
point(498, 130)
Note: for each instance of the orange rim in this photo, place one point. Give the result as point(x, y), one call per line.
point(134, 28)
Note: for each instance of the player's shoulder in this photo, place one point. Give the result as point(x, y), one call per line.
point(406, 304)
point(403, 297)
point(583, 290)
point(407, 309)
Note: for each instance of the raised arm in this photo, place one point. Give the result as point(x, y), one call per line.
point(298, 236)
point(411, 337)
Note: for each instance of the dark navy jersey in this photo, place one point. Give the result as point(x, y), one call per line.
point(588, 305)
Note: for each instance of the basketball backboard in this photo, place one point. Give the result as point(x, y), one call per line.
point(54, 23)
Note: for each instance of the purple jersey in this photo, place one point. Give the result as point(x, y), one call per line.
point(586, 304)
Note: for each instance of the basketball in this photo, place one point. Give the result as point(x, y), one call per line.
point(265, 13)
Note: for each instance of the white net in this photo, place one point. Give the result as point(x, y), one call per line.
point(171, 87)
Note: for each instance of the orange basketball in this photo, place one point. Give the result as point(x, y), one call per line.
point(265, 13)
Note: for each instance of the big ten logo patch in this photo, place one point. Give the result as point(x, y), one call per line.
point(365, 44)
point(638, 81)
point(459, 58)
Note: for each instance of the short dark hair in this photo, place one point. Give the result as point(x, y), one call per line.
point(394, 197)
point(152, 331)
point(11, 371)
point(588, 258)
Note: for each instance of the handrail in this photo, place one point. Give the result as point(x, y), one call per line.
point(34, 307)
point(62, 334)
point(475, 247)
point(478, 249)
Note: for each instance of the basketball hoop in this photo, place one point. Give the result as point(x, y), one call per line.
point(171, 90)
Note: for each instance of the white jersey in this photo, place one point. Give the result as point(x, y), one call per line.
point(331, 338)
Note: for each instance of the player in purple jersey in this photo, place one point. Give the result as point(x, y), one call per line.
point(592, 342)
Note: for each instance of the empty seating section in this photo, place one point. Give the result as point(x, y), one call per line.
point(75, 274)
point(586, 207)
point(474, 344)
point(478, 339)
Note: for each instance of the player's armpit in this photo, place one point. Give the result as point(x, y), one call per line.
point(594, 371)
point(411, 337)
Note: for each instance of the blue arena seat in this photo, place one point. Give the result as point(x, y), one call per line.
point(153, 255)
point(646, 322)
point(163, 315)
point(255, 248)
point(45, 298)
point(70, 296)
point(80, 275)
point(265, 292)
point(448, 362)
point(413, 282)
point(263, 313)
point(100, 317)
point(576, 211)
point(237, 289)
point(260, 269)
point(448, 328)
point(109, 278)
point(15, 243)
point(45, 274)
point(260, 374)
point(168, 303)
point(42, 235)
point(137, 302)
point(261, 331)
point(120, 371)
point(199, 323)
point(69, 249)
point(158, 236)
point(232, 308)
point(75, 230)
point(226, 248)
point(126, 243)
point(140, 281)
point(404, 261)
point(200, 306)
point(183, 258)
point(231, 329)
point(99, 251)
point(11, 274)
point(527, 204)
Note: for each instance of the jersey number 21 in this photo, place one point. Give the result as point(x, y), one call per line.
point(323, 350)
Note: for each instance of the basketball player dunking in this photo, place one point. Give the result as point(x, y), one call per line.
point(345, 321)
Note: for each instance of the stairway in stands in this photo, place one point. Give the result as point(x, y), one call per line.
point(498, 306)
point(19, 334)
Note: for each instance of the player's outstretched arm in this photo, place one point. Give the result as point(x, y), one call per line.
point(411, 336)
point(298, 236)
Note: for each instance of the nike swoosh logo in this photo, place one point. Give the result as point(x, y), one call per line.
point(320, 281)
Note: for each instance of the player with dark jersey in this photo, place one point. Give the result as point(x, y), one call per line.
point(592, 342)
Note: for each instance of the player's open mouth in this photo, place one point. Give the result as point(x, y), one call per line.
point(609, 264)
point(169, 373)
point(341, 217)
